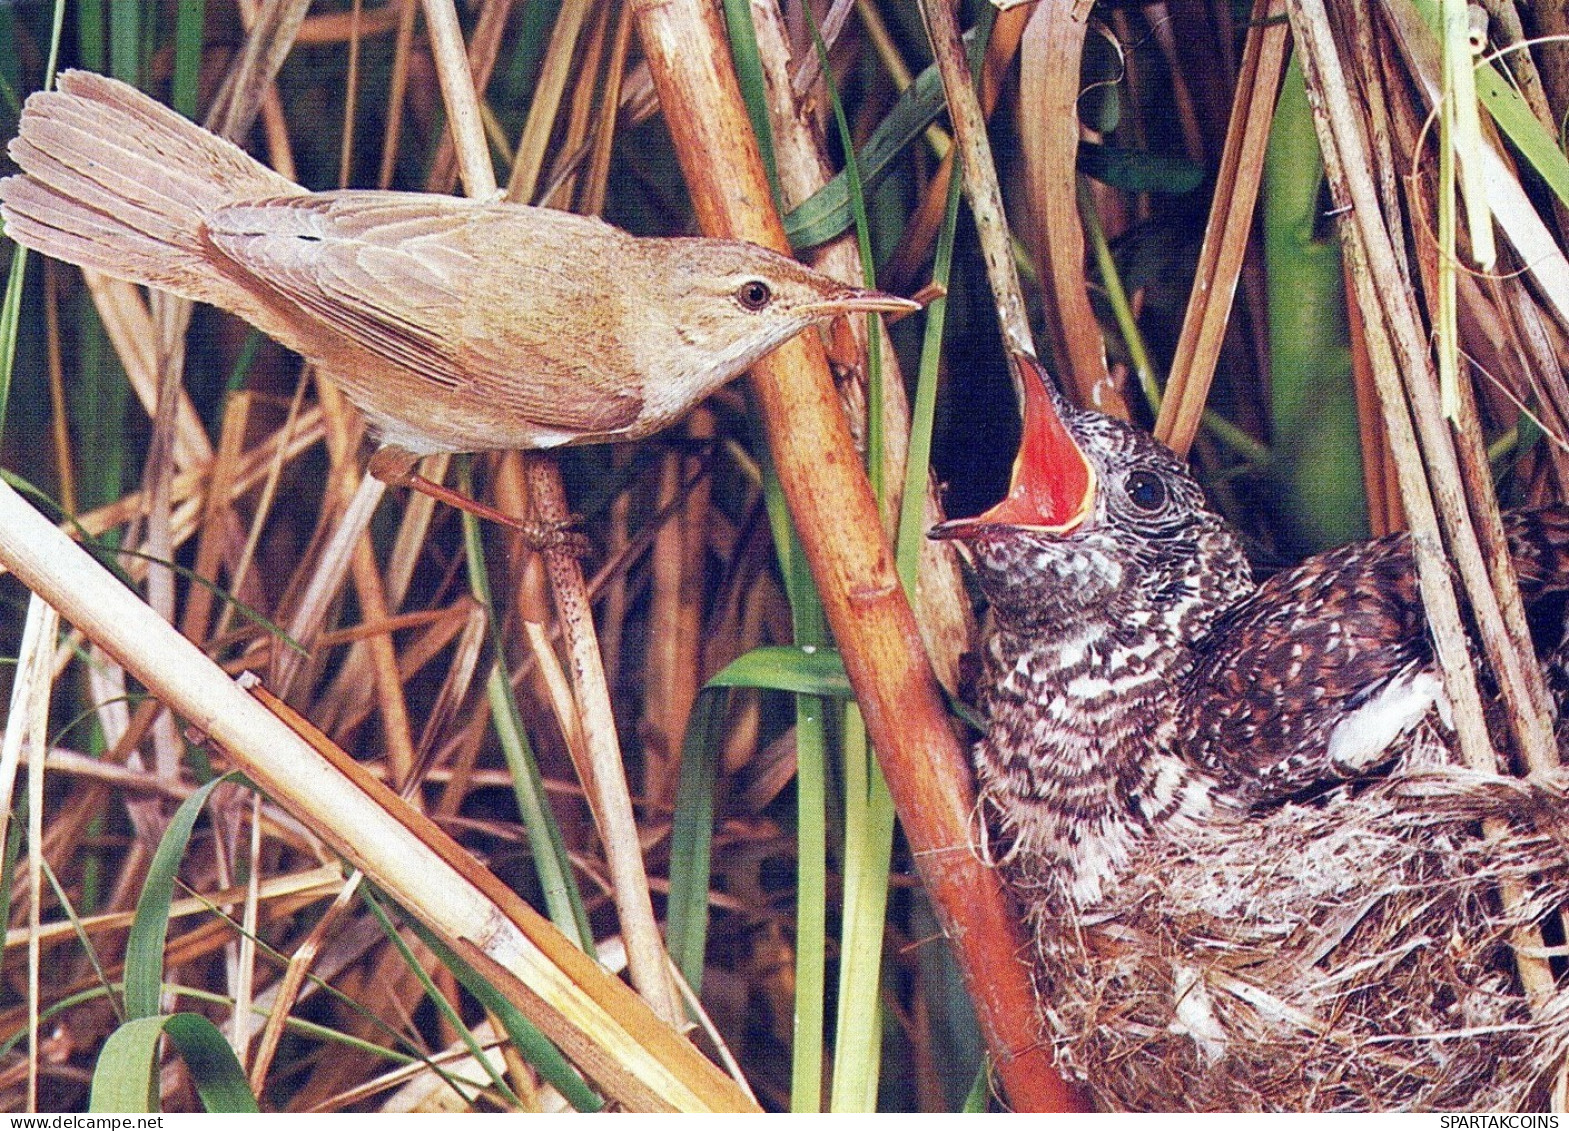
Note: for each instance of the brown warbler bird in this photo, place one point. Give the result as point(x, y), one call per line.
point(455, 325)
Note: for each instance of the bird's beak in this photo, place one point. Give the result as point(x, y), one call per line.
point(853, 300)
point(1053, 486)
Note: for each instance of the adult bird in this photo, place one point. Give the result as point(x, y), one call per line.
point(454, 325)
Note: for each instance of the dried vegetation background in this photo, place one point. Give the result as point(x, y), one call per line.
point(755, 833)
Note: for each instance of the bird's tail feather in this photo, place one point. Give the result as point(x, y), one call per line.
point(119, 183)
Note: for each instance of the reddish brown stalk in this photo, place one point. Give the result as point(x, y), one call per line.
point(840, 530)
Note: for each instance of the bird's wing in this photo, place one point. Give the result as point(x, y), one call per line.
point(403, 276)
point(1314, 678)
point(1539, 544)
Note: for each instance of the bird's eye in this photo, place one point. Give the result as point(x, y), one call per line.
point(1146, 490)
point(754, 294)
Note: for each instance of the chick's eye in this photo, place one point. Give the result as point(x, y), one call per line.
point(754, 294)
point(1146, 491)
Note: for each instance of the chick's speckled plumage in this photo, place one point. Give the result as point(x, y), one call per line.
point(1255, 874)
point(1090, 637)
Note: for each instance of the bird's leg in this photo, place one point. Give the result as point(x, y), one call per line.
point(395, 466)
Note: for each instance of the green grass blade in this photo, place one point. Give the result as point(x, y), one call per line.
point(980, 1091)
point(13, 850)
point(868, 850)
point(869, 813)
point(190, 17)
point(749, 72)
point(92, 48)
point(828, 211)
point(953, 1026)
point(10, 324)
point(79, 929)
point(1117, 295)
point(563, 900)
point(1317, 480)
point(875, 442)
point(49, 1011)
point(955, 1047)
point(125, 1077)
point(528, 46)
point(691, 836)
point(923, 407)
point(16, 277)
point(150, 926)
point(1136, 170)
point(444, 1007)
point(811, 833)
point(98, 402)
point(805, 670)
point(535, 1047)
point(11, 68)
point(217, 1075)
point(811, 902)
point(125, 41)
point(1522, 129)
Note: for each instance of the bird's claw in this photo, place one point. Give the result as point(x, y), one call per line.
point(395, 465)
point(546, 535)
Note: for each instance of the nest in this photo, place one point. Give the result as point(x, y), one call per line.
point(1351, 953)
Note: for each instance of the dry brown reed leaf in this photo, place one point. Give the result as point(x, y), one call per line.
point(290, 891)
point(1049, 91)
point(548, 92)
point(1230, 225)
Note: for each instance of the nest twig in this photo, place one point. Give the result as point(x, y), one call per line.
point(1345, 954)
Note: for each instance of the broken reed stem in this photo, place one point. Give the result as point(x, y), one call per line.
point(646, 959)
point(980, 173)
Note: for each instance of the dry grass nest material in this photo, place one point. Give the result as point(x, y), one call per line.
point(1350, 953)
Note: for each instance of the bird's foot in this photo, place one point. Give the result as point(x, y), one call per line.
point(552, 534)
point(395, 466)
